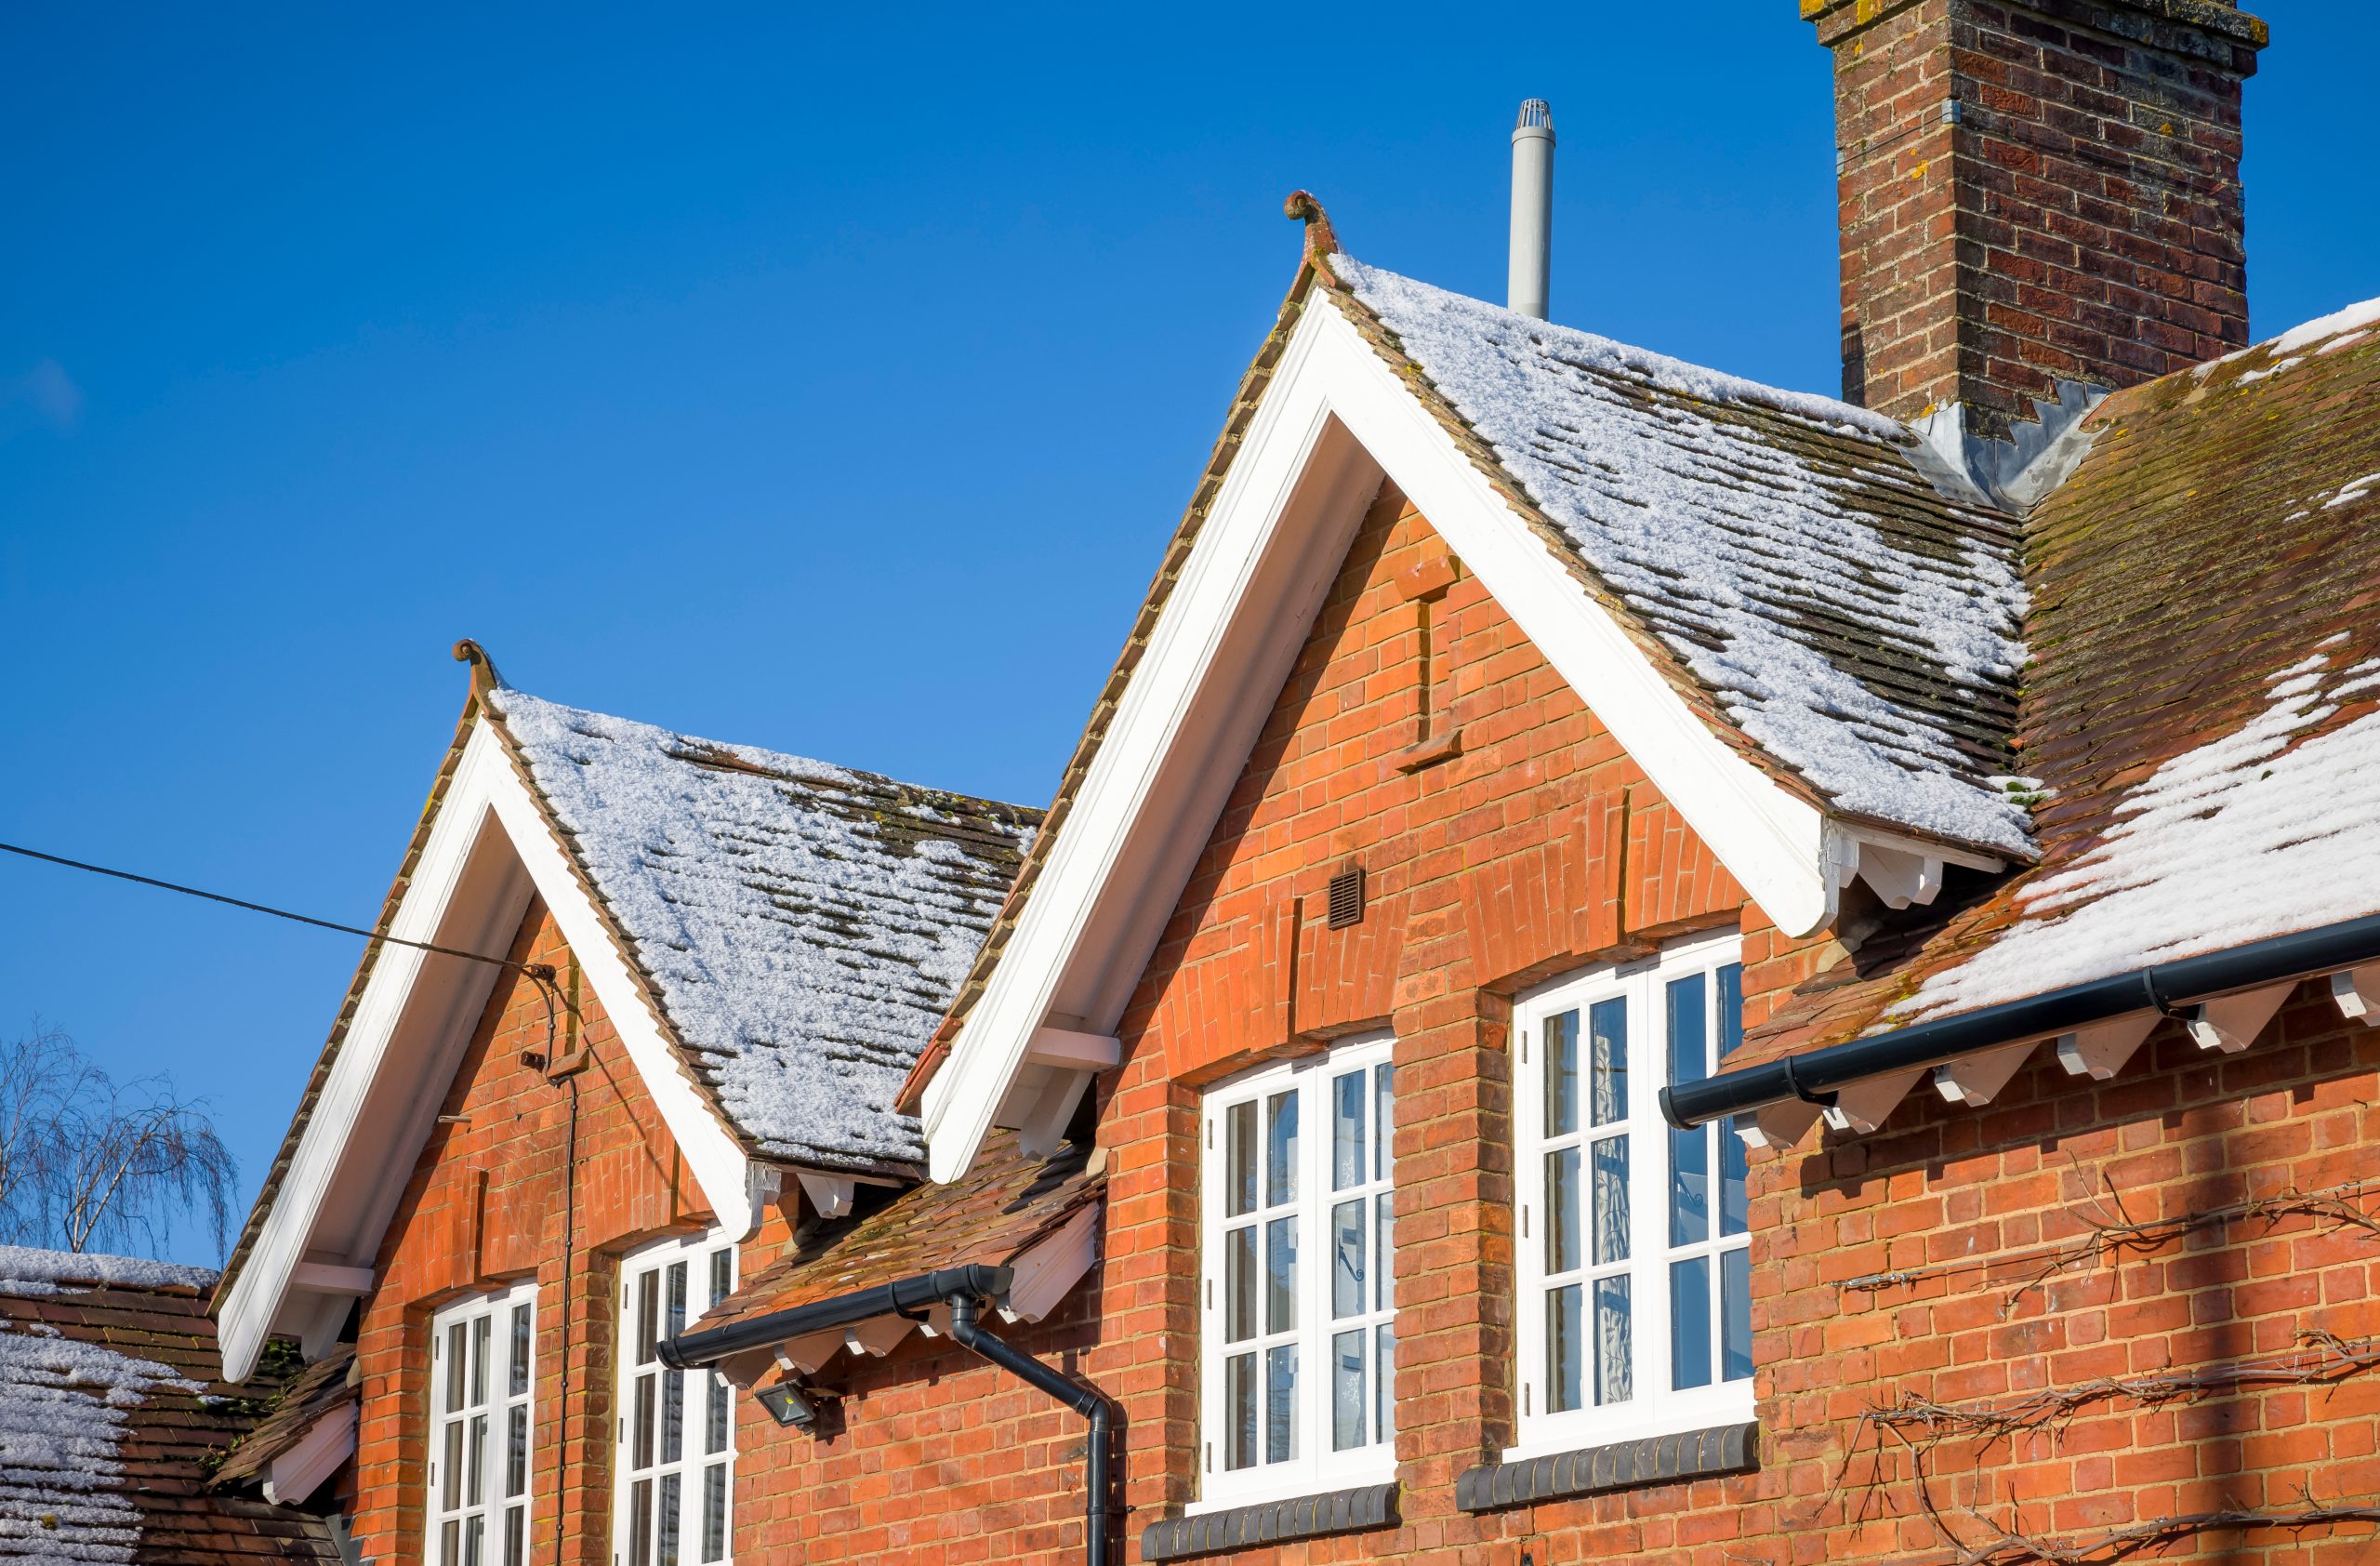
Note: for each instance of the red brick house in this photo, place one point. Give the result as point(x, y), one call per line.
point(1629, 964)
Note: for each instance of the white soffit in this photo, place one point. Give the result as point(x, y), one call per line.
point(487, 847)
point(1156, 784)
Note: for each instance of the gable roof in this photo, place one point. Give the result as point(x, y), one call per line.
point(1856, 627)
point(803, 926)
point(111, 1418)
point(771, 936)
point(1807, 647)
point(2202, 714)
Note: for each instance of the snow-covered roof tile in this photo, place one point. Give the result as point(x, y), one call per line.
point(802, 925)
point(1858, 629)
point(2203, 711)
point(110, 1414)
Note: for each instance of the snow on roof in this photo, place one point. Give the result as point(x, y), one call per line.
point(25, 1271)
point(1860, 629)
point(2260, 832)
point(64, 1410)
point(804, 926)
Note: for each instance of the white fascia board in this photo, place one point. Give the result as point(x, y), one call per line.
point(293, 1476)
point(484, 785)
point(1773, 842)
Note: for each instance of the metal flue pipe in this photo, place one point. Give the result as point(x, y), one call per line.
point(1532, 260)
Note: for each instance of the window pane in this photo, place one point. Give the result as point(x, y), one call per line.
point(640, 1423)
point(1564, 1337)
point(1689, 1038)
point(648, 1315)
point(1735, 1314)
point(475, 1461)
point(1280, 1403)
point(481, 1328)
point(474, 1536)
point(723, 1267)
point(677, 1318)
point(1734, 1167)
point(1384, 1381)
point(517, 1382)
point(458, 1355)
point(1607, 1046)
point(715, 1512)
point(1348, 1403)
point(1347, 1228)
point(1610, 1158)
point(449, 1549)
point(1239, 1411)
point(1347, 1160)
point(1731, 1010)
point(1562, 1074)
point(665, 1552)
point(715, 1424)
point(451, 1486)
point(1562, 1207)
point(1690, 1185)
point(1383, 1250)
point(1614, 1345)
point(516, 1544)
point(1239, 1283)
point(1384, 1117)
point(1282, 1275)
point(516, 1452)
point(1690, 1323)
point(1281, 1148)
point(640, 1521)
point(1239, 1160)
point(673, 1416)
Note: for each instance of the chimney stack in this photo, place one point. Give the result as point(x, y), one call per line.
point(1532, 260)
point(2034, 191)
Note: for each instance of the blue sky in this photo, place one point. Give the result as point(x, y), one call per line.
point(826, 382)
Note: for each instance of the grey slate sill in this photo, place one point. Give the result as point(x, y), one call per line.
point(1305, 1517)
point(1724, 1449)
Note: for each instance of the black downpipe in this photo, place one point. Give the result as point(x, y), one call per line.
point(1084, 1400)
point(1813, 1078)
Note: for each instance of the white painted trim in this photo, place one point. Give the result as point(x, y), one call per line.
point(831, 1195)
point(298, 1472)
point(1064, 1047)
point(485, 787)
point(695, 1252)
point(1654, 1407)
point(1772, 840)
point(496, 1306)
point(325, 1279)
point(1044, 1275)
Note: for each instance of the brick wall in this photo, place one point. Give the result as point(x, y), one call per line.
point(2081, 219)
point(484, 1208)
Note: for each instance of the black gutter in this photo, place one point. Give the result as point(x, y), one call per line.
point(963, 1289)
point(2168, 986)
point(910, 1296)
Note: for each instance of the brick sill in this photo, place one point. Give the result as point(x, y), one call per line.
point(1724, 1449)
point(1306, 1516)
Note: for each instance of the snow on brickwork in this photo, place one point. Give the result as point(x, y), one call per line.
point(25, 1270)
point(804, 926)
point(2261, 831)
point(1863, 633)
point(64, 1410)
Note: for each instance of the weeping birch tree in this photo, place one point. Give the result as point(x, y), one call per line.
point(88, 1164)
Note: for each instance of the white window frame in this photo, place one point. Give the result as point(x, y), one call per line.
point(473, 1399)
point(637, 1486)
point(1655, 1406)
point(1315, 1468)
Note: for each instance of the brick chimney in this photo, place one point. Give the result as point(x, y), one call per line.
point(2035, 190)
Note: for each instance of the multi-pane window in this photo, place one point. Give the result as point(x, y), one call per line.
point(481, 1378)
point(677, 1453)
point(1635, 1253)
point(1297, 1286)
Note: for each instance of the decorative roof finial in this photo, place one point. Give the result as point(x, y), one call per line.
point(483, 675)
point(1321, 241)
